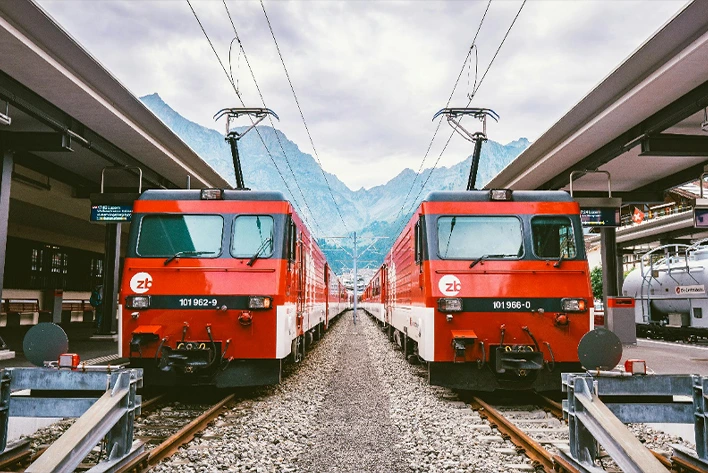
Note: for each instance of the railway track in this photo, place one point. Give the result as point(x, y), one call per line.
point(170, 426)
point(164, 425)
point(538, 430)
point(534, 429)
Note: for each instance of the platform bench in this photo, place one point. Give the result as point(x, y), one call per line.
point(76, 311)
point(18, 312)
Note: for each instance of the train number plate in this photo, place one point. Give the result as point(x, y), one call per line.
point(510, 304)
point(514, 304)
point(198, 302)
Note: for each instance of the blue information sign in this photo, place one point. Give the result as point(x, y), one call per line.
point(111, 213)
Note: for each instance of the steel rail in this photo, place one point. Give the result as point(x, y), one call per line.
point(10, 459)
point(532, 449)
point(185, 434)
point(549, 405)
point(152, 403)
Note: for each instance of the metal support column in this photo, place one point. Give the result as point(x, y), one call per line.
point(356, 278)
point(111, 279)
point(5, 179)
point(608, 242)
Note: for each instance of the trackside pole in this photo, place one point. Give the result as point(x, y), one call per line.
point(356, 279)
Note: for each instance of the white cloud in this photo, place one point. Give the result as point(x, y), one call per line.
point(369, 74)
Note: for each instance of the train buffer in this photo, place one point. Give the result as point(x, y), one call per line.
point(109, 415)
point(680, 399)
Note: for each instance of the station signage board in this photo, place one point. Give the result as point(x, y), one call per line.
point(111, 213)
point(600, 217)
point(600, 212)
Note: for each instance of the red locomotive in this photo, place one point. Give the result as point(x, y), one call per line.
point(221, 286)
point(489, 288)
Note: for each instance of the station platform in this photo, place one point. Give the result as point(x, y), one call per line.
point(87, 349)
point(668, 357)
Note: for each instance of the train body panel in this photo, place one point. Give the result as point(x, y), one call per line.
point(221, 291)
point(510, 288)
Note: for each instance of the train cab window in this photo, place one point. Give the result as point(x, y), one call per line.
point(465, 237)
point(189, 235)
point(253, 235)
point(553, 237)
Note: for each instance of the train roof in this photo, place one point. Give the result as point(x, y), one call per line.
point(483, 196)
point(195, 194)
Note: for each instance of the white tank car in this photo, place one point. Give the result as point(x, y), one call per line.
point(669, 287)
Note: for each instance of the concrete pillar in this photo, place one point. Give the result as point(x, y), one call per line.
point(111, 279)
point(608, 242)
point(5, 179)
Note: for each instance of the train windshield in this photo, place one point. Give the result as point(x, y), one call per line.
point(553, 237)
point(253, 235)
point(464, 237)
point(189, 235)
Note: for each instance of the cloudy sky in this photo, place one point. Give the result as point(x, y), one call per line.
point(369, 74)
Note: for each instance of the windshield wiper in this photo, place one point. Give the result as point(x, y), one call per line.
point(258, 252)
point(187, 253)
point(484, 257)
point(557, 264)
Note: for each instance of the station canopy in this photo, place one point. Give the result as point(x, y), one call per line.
point(69, 118)
point(644, 123)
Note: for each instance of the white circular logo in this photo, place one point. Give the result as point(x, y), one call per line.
point(141, 283)
point(450, 285)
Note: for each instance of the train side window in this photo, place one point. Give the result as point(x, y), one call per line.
point(553, 237)
point(418, 243)
point(292, 240)
point(698, 312)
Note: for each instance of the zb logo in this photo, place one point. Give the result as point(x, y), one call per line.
point(141, 283)
point(450, 285)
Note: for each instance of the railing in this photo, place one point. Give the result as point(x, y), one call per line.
point(635, 399)
point(109, 416)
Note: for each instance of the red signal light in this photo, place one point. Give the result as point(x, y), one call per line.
point(69, 360)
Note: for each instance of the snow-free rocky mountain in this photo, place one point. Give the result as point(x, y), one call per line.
point(371, 212)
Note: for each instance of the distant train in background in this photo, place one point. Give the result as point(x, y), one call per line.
point(669, 288)
point(220, 287)
point(489, 288)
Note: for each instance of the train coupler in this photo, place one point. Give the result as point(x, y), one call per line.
point(517, 357)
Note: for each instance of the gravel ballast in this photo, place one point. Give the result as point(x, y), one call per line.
point(353, 405)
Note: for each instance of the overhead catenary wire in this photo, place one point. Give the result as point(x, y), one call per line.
point(447, 104)
point(238, 95)
point(302, 115)
point(474, 92)
point(270, 119)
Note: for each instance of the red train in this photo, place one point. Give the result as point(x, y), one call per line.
point(490, 288)
point(221, 286)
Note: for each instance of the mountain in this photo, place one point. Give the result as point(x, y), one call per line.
point(370, 212)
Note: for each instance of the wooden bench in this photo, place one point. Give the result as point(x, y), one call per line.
point(18, 312)
point(76, 310)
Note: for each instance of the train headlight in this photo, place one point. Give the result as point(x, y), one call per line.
point(450, 304)
point(500, 194)
point(212, 194)
point(137, 302)
point(260, 302)
point(573, 305)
